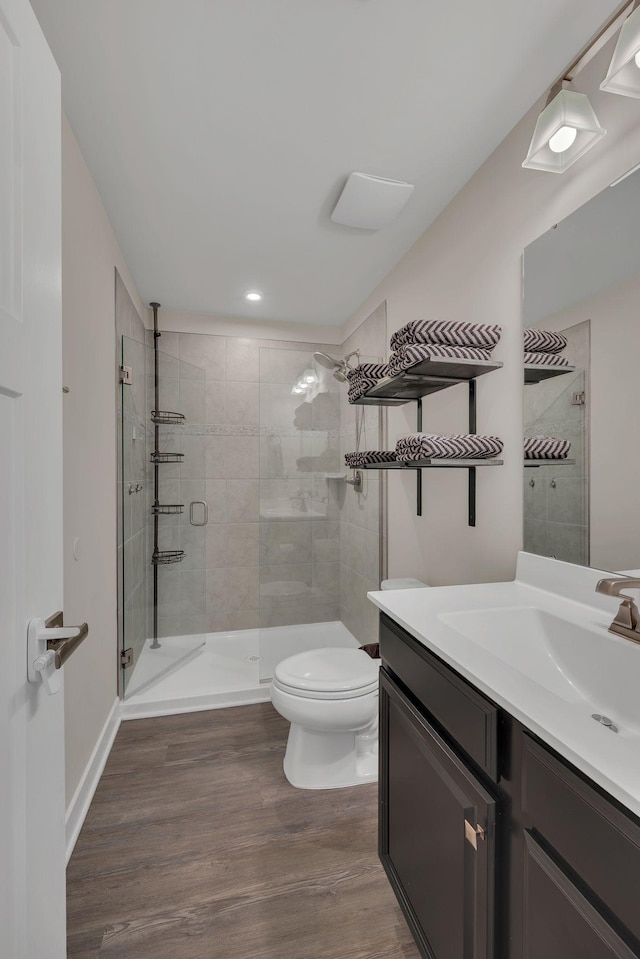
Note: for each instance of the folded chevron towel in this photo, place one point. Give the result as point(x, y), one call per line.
point(368, 371)
point(417, 446)
point(543, 341)
point(546, 448)
point(407, 356)
point(367, 457)
point(448, 332)
point(545, 359)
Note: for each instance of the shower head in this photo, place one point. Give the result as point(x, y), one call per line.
point(340, 367)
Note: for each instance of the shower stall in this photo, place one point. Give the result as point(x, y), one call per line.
point(243, 538)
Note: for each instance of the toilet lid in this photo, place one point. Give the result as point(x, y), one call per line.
point(331, 670)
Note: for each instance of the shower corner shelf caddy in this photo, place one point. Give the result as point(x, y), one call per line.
point(431, 376)
point(161, 557)
point(166, 417)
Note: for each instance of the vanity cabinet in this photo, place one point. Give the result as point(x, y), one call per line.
point(495, 846)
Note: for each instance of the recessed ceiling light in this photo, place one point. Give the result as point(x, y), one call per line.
point(253, 295)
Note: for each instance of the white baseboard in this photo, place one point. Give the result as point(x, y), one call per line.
point(79, 805)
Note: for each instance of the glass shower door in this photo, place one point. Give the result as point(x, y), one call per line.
point(163, 517)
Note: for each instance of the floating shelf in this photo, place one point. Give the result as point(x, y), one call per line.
point(536, 374)
point(535, 464)
point(157, 458)
point(428, 376)
point(167, 509)
point(167, 556)
point(433, 464)
point(166, 418)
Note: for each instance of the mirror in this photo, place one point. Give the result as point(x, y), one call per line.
point(582, 278)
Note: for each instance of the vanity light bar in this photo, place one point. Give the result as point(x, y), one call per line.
point(568, 127)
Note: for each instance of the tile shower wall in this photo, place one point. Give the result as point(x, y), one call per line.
point(359, 512)
point(556, 497)
point(299, 535)
point(218, 383)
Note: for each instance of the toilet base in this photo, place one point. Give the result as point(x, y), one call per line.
point(321, 760)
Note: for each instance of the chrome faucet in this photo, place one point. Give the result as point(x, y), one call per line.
point(627, 619)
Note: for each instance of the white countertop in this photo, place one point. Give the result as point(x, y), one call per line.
point(612, 760)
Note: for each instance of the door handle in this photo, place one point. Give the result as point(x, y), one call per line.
point(49, 645)
point(205, 507)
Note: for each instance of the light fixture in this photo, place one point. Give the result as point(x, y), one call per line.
point(623, 75)
point(253, 295)
point(564, 131)
point(370, 202)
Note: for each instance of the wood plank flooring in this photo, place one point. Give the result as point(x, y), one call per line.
point(196, 847)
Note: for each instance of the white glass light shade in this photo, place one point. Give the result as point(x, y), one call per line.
point(567, 109)
point(623, 75)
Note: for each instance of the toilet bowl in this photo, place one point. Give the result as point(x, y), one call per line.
point(330, 697)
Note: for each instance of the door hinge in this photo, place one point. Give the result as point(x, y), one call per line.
point(126, 658)
point(126, 375)
point(473, 833)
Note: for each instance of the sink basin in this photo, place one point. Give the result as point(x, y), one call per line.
point(578, 663)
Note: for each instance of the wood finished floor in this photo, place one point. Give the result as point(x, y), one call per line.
point(196, 847)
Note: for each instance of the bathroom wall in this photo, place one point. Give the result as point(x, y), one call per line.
point(467, 266)
point(360, 529)
point(89, 255)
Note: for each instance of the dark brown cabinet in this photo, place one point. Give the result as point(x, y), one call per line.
point(496, 847)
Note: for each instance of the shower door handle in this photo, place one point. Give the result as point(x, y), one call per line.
point(205, 513)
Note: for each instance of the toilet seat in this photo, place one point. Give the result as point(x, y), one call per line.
point(328, 673)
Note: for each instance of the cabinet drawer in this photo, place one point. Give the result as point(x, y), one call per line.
point(595, 838)
point(469, 718)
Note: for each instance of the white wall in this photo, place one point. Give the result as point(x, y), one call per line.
point(467, 266)
point(89, 255)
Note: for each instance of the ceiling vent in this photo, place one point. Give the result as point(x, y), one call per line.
point(370, 202)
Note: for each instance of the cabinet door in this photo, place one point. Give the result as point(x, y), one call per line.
point(440, 865)
point(558, 922)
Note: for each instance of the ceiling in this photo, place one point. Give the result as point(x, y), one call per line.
point(220, 132)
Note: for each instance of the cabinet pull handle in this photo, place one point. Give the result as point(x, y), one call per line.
point(473, 833)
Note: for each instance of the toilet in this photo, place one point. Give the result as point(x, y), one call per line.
point(330, 697)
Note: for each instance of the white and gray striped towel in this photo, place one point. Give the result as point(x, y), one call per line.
point(367, 457)
point(368, 371)
point(363, 377)
point(417, 446)
point(546, 448)
point(543, 341)
point(407, 356)
point(545, 359)
point(448, 332)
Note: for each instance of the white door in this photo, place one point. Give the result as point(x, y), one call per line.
point(32, 855)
